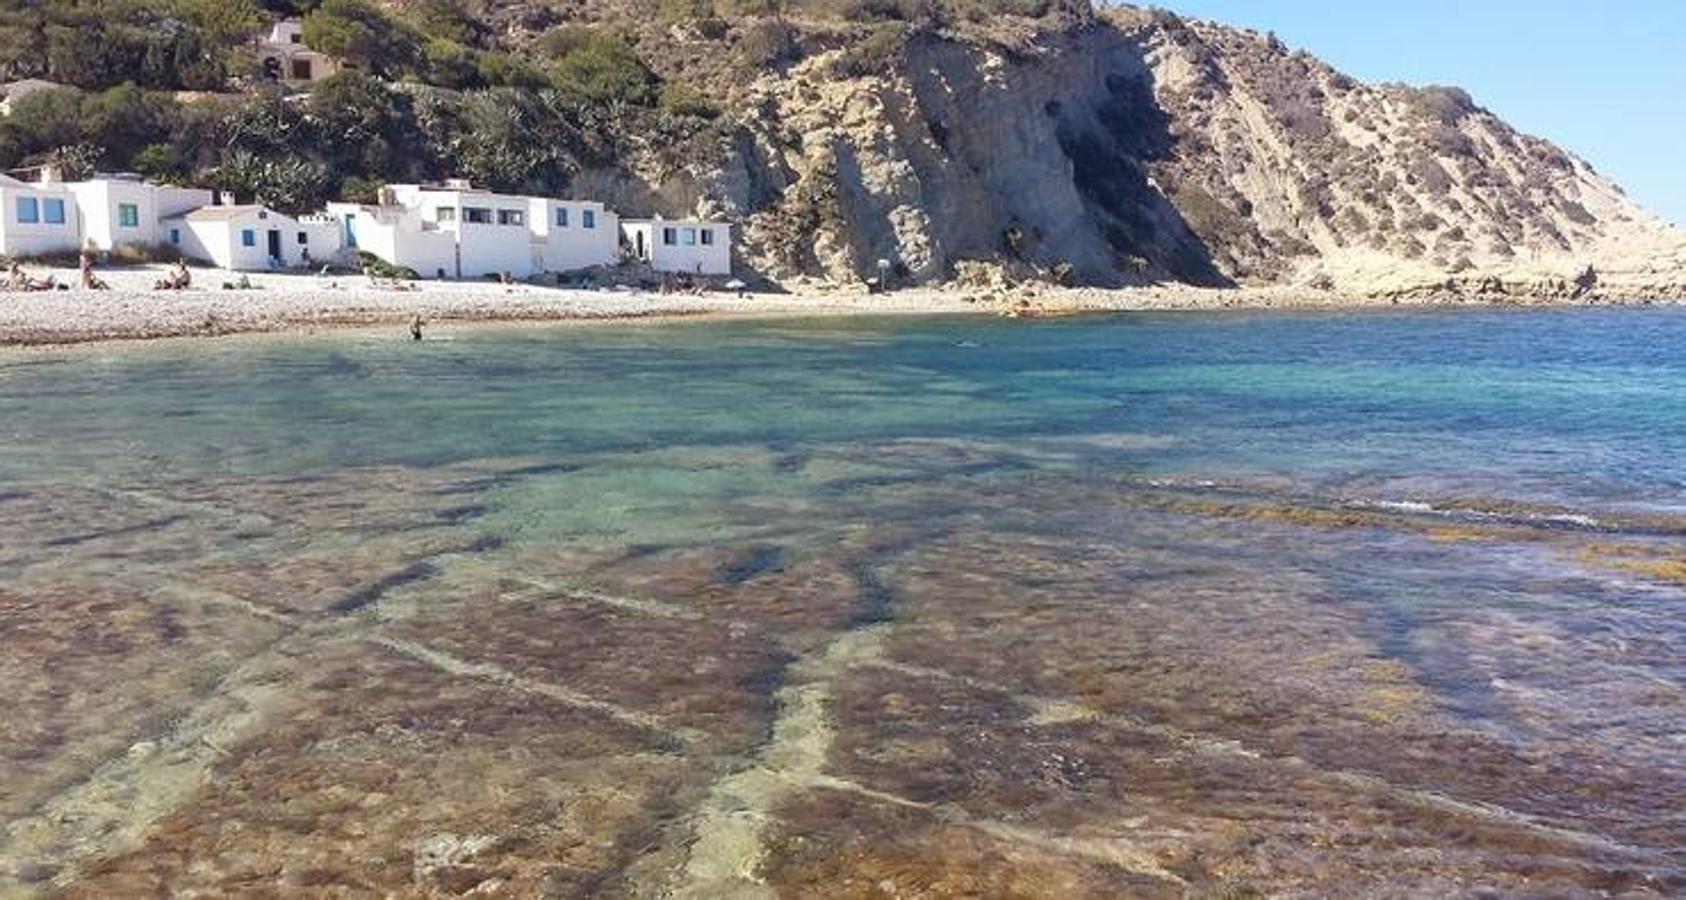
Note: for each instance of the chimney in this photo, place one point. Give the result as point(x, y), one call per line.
point(51, 173)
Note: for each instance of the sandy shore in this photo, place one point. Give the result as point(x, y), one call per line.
point(286, 302)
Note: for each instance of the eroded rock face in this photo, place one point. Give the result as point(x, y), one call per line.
point(1137, 146)
point(1031, 156)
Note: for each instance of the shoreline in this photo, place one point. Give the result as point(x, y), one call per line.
point(302, 304)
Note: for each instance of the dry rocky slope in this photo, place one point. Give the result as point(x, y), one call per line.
point(1133, 146)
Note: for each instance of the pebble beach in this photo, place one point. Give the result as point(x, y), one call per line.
point(225, 303)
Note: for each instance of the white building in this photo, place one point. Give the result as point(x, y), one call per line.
point(457, 231)
point(283, 56)
point(122, 210)
point(681, 246)
point(114, 211)
point(252, 238)
point(37, 218)
point(575, 234)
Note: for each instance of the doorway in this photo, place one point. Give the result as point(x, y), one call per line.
point(275, 245)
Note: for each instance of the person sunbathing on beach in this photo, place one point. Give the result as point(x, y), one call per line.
point(19, 280)
point(90, 281)
point(179, 279)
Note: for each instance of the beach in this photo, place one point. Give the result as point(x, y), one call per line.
point(287, 302)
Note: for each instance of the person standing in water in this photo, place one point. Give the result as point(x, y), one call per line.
point(416, 328)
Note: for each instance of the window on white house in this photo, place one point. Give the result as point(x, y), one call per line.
point(562, 217)
point(175, 235)
point(670, 236)
point(53, 211)
point(294, 38)
point(588, 218)
point(304, 238)
point(690, 237)
point(707, 235)
point(301, 70)
point(248, 238)
point(29, 210)
point(511, 217)
point(476, 214)
point(128, 215)
point(445, 214)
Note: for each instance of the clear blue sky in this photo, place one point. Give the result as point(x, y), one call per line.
point(1604, 80)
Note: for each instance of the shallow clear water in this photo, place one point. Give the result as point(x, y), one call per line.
point(1146, 604)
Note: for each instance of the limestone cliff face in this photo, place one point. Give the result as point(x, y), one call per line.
point(1037, 156)
point(1136, 146)
point(1291, 170)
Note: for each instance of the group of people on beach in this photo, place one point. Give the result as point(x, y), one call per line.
point(18, 279)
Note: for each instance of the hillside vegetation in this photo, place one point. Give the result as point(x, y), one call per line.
point(1031, 138)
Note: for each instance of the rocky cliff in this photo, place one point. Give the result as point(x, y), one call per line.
point(1135, 146)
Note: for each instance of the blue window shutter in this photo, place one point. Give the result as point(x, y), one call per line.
point(54, 211)
point(588, 218)
point(29, 211)
point(248, 238)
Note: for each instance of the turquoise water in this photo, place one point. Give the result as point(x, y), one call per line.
point(1587, 405)
point(1425, 566)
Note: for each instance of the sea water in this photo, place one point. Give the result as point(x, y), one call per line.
point(1142, 604)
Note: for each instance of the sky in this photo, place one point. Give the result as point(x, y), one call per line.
point(1606, 81)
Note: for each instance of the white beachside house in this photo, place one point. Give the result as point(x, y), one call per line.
point(37, 218)
point(252, 238)
point(125, 211)
point(283, 56)
point(454, 230)
point(109, 212)
point(681, 246)
point(575, 234)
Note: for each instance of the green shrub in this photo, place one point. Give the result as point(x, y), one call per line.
point(767, 45)
point(683, 100)
point(503, 70)
point(449, 64)
point(874, 55)
point(445, 20)
point(602, 67)
point(362, 34)
point(160, 162)
point(678, 11)
point(380, 268)
point(360, 190)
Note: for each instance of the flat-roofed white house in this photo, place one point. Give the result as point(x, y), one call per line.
point(457, 231)
point(252, 238)
point(575, 234)
point(123, 210)
point(37, 218)
point(681, 246)
point(283, 56)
